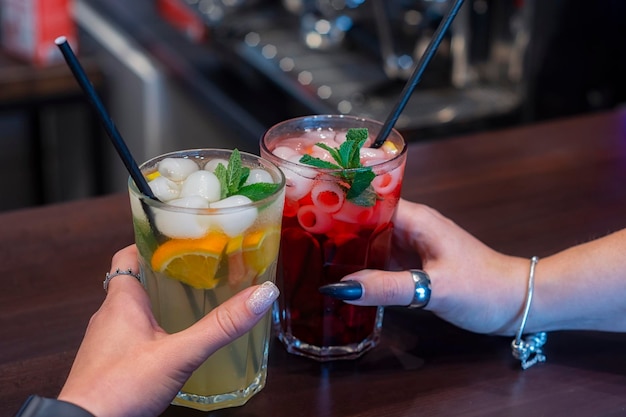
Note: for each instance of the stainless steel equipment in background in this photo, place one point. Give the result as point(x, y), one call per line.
point(352, 56)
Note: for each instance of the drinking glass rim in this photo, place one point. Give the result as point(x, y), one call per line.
point(209, 211)
point(331, 171)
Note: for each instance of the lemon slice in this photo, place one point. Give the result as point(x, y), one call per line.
point(389, 147)
point(260, 248)
point(192, 261)
point(153, 175)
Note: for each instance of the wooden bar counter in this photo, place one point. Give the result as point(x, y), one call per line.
point(526, 191)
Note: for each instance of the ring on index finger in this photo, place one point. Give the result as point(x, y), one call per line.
point(421, 295)
point(117, 272)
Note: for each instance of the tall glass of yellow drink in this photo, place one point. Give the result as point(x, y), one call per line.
point(214, 231)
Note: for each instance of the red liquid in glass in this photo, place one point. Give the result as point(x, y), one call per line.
point(331, 229)
point(308, 260)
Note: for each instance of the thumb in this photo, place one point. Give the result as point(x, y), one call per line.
point(383, 288)
point(228, 321)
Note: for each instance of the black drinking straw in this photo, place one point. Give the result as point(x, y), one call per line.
point(417, 74)
point(107, 122)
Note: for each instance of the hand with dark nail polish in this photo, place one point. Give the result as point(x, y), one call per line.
point(343, 290)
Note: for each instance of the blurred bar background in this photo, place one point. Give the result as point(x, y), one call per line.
point(216, 73)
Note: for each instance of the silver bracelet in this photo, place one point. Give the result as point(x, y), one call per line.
point(529, 350)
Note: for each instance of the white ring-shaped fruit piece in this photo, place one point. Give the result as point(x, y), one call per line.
point(385, 183)
point(259, 175)
point(352, 213)
point(235, 222)
point(177, 169)
point(164, 189)
point(327, 196)
point(202, 183)
point(314, 220)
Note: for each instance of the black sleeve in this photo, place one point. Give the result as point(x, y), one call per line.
point(36, 406)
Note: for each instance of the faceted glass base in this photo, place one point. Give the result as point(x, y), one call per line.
point(329, 353)
point(215, 402)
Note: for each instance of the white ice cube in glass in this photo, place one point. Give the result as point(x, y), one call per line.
point(179, 225)
point(213, 163)
point(202, 183)
point(177, 169)
point(259, 175)
point(234, 222)
point(164, 189)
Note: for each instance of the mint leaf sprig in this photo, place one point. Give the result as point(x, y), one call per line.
point(357, 178)
point(233, 178)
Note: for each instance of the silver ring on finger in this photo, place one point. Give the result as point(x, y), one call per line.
point(421, 294)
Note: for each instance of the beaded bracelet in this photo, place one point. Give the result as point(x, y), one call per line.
point(529, 350)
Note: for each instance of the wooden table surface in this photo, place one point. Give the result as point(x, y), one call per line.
point(525, 191)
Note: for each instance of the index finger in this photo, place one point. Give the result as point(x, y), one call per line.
point(124, 260)
point(383, 288)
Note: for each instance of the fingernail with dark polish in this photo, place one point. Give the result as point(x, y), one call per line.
point(343, 290)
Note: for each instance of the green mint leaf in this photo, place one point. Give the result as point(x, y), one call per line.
point(222, 175)
point(366, 199)
point(233, 178)
point(332, 151)
point(357, 137)
point(360, 183)
point(346, 150)
point(348, 157)
point(245, 173)
point(234, 172)
point(355, 158)
point(357, 134)
point(258, 191)
point(318, 163)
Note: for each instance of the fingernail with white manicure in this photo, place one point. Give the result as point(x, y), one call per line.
point(263, 297)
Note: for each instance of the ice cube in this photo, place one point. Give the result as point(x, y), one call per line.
point(259, 175)
point(177, 169)
point(235, 221)
point(213, 163)
point(202, 183)
point(137, 210)
point(340, 137)
point(323, 154)
point(318, 135)
point(285, 152)
point(180, 225)
point(193, 201)
point(164, 189)
point(298, 179)
point(371, 154)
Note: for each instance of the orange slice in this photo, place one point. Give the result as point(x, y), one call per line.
point(192, 261)
point(260, 248)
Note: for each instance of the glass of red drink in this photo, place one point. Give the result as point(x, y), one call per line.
point(337, 220)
